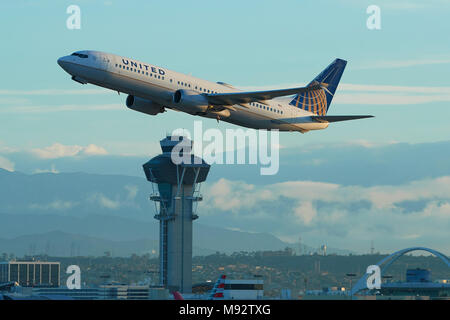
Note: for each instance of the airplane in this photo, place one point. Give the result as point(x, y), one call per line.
point(153, 90)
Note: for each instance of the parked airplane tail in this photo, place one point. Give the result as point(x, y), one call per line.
point(177, 295)
point(318, 101)
point(218, 289)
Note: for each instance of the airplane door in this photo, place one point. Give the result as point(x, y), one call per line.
point(105, 62)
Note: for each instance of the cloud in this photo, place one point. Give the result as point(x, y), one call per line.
point(411, 5)
point(6, 149)
point(92, 150)
point(51, 170)
point(390, 95)
point(57, 205)
point(306, 212)
point(394, 89)
point(132, 192)
point(333, 211)
point(58, 150)
point(223, 193)
point(6, 164)
point(53, 92)
point(376, 94)
point(391, 64)
point(60, 108)
point(388, 99)
point(104, 201)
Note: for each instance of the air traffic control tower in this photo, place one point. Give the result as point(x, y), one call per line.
point(176, 191)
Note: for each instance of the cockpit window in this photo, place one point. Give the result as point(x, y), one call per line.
point(81, 55)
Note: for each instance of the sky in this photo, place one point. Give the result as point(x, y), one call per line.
point(399, 74)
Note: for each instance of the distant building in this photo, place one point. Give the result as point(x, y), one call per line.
point(31, 273)
point(243, 289)
point(418, 283)
point(418, 275)
point(328, 291)
point(103, 292)
point(287, 252)
point(131, 292)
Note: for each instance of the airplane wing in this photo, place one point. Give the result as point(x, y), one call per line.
point(251, 96)
point(338, 118)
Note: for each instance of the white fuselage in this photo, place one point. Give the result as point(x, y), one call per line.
point(158, 85)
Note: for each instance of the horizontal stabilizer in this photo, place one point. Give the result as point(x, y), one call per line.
point(337, 118)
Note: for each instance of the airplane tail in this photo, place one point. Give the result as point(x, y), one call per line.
point(318, 101)
point(218, 289)
point(177, 295)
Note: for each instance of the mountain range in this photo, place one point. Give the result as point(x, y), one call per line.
point(69, 213)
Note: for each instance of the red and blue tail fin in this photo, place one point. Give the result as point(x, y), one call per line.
point(218, 289)
point(318, 101)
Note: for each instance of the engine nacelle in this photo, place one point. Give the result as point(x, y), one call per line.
point(144, 105)
point(190, 101)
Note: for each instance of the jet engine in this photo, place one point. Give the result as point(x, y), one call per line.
point(144, 105)
point(190, 101)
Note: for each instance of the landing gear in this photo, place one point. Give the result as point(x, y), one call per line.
point(218, 118)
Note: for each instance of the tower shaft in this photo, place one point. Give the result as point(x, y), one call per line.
point(175, 244)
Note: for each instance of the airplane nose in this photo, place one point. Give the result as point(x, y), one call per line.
point(61, 62)
point(64, 64)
